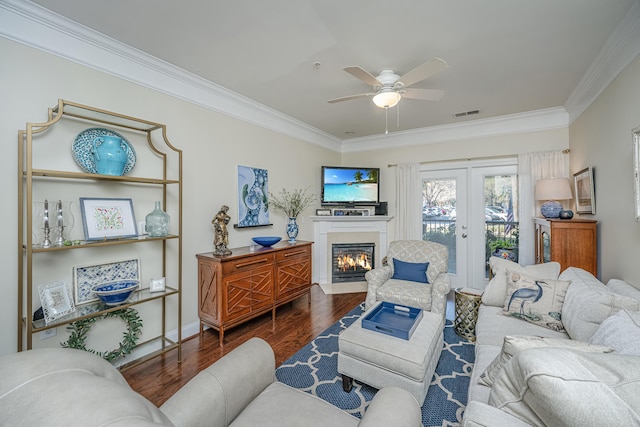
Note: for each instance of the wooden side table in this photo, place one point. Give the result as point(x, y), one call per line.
point(467, 304)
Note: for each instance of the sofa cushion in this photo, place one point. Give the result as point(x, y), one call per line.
point(588, 302)
point(514, 344)
point(621, 332)
point(63, 387)
point(623, 288)
point(268, 410)
point(412, 271)
point(493, 326)
point(560, 387)
point(536, 301)
point(496, 290)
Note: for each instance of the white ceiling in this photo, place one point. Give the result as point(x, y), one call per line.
point(504, 56)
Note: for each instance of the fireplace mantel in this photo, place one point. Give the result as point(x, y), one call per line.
point(345, 229)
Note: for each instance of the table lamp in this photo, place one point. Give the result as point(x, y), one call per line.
point(552, 190)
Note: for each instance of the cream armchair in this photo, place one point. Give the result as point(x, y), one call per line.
point(431, 296)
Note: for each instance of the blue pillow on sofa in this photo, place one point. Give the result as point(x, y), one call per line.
point(412, 271)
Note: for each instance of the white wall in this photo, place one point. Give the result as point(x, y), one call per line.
point(601, 138)
point(494, 146)
point(213, 146)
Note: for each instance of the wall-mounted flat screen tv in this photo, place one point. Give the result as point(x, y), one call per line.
point(350, 186)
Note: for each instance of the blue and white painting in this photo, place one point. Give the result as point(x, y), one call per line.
point(253, 206)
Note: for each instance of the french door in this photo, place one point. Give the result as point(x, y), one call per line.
point(471, 209)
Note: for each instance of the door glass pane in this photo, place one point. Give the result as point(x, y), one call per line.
point(439, 215)
point(501, 217)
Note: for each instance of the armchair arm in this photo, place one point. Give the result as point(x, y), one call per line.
point(375, 278)
point(439, 291)
point(218, 394)
point(392, 406)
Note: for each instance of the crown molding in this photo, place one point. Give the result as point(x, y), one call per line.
point(532, 121)
point(37, 27)
point(620, 49)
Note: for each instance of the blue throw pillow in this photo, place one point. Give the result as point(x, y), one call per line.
point(412, 271)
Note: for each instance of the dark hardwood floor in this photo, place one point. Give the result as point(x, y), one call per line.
point(296, 324)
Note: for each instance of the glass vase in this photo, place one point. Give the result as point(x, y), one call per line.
point(157, 222)
point(292, 229)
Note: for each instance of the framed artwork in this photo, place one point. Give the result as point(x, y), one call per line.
point(157, 285)
point(85, 277)
point(584, 191)
point(107, 218)
point(253, 194)
point(56, 300)
point(636, 170)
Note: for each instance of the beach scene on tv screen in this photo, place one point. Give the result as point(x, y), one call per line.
point(350, 185)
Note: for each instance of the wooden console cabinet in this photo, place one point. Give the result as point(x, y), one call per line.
point(572, 243)
point(236, 288)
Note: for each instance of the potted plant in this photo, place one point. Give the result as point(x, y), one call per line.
point(503, 249)
point(292, 203)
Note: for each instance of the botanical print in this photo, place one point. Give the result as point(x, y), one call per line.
point(253, 205)
point(108, 218)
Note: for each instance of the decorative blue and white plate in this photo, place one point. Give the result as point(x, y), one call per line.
point(88, 276)
point(82, 149)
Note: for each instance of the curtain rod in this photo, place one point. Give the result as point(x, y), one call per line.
point(391, 165)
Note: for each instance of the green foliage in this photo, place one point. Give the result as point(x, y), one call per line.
point(80, 329)
point(292, 203)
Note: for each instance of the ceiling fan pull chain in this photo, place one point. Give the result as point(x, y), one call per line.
point(386, 120)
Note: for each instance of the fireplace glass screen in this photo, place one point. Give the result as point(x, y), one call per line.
point(351, 261)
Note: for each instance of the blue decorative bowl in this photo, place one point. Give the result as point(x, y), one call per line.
point(267, 241)
point(117, 292)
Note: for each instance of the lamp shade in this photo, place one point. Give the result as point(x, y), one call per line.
point(553, 189)
point(387, 98)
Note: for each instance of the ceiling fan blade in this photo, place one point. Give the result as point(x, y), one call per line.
point(349, 98)
point(424, 94)
point(424, 71)
point(362, 75)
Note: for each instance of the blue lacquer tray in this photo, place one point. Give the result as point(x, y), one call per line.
point(393, 319)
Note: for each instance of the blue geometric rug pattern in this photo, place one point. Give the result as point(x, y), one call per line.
point(314, 369)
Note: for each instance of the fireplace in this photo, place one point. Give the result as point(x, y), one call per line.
point(350, 261)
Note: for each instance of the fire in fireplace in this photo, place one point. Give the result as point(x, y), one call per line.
point(351, 261)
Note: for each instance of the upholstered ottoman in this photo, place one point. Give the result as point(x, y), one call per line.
point(381, 360)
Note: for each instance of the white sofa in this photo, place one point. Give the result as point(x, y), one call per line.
point(67, 387)
point(558, 386)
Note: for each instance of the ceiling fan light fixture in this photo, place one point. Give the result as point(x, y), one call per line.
point(387, 98)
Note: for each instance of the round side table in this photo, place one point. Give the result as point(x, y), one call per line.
point(467, 304)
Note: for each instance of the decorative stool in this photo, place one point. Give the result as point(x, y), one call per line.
point(380, 360)
point(467, 304)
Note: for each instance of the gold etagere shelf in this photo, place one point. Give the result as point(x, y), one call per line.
point(26, 248)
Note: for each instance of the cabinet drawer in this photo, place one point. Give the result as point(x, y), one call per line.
point(293, 253)
point(246, 264)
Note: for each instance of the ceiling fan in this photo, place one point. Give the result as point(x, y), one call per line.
point(389, 88)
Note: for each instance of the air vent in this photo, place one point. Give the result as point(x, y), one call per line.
point(466, 113)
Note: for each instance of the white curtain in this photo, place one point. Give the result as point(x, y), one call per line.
point(532, 167)
point(408, 202)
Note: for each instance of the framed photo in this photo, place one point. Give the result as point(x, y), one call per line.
point(323, 212)
point(56, 300)
point(85, 277)
point(107, 218)
point(157, 285)
point(636, 170)
point(584, 191)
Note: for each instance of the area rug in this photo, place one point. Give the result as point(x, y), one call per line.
point(314, 369)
